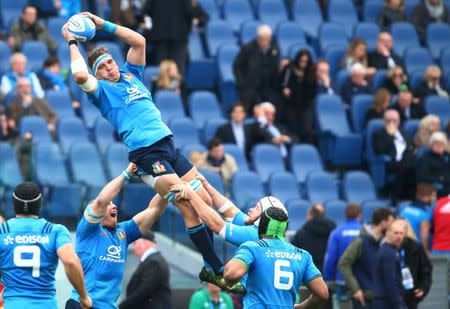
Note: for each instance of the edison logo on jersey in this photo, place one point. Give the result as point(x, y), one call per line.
point(283, 254)
point(27, 239)
point(113, 255)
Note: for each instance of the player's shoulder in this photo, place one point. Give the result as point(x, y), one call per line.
point(255, 244)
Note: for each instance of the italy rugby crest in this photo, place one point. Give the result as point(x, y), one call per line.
point(128, 77)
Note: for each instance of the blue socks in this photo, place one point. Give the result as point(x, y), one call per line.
point(199, 236)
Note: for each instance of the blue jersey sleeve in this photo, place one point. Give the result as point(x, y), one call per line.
point(136, 70)
point(131, 230)
point(62, 236)
point(86, 229)
point(237, 234)
point(94, 97)
point(310, 271)
point(239, 218)
point(245, 254)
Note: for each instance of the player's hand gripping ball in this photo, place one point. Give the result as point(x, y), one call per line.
point(82, 27)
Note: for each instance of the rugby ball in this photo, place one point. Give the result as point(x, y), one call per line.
point(82, 28)
point(269, 201)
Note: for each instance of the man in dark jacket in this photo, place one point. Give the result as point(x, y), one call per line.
point(256, 69)
point(356, 264)
point(313, 235)
point(429, 11)
point(406, 107)
point(383, 57)
point(149, 285)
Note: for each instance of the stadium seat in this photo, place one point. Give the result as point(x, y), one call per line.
point(10, 175)
point(237, 12)
point(308, 15)
point(150, 73)
point(410, 5)
point(37, 126)
point(335, 211)
point(89, 113)
point(404, 36)
point(64, 201)
point(135, 198)
point(219, 33)
point(411, 126)
point(115, 50)
point(437, 35)
point(227, 84)
point(246, 186)
point(343, 12)
point(337, 143)
point(334, 55)
point(202, 106)
point(103, 134)
point(331, 34)
point(378, 79)
point(368, 31)
point(297, 212)
point(303, 160)
point(341, 79)
point(60, 102)
point(85, 165)
point(357, 187)
point(36, 52)
point(210, 128)
point(10, 17)
point(201, 71)
point(320, 187)
point(170, 105)
point(267, 160)
point(171, 223)
point(214, 179)
point(248, 31)
point(368, 207)
point(238, 155)
point(359, 106)
point(63, 54)
point(287, 34)
point(376, 162)
point(417, 59)
point(48, 165)
point(54, 26)
point(210, 6)
point(187, 149)
point(12, 5)
point(439, 106)
point(5, 54)
point(295, 48)
point(283, 185)
point(415, 79)
point(444, 60)
point(371, 9)
point(271, 12)
point(71, 130)
point(116, 159)
point(184, 131)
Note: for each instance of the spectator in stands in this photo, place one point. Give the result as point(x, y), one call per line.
point(200, 17)
point(407, 107)
point(392, 12)
point(51, 77)
point(357, 84)
point(220, 162)
point(171, 23)
point(29, 28)
point(210, 297)
point(126, 13)
point(383, 57)
point(197, 159)
point(149, 286)
point(320, 80)
point(439, 221)
point(169, 78)
point(339, 240)
point(313, 235)
point(18, 64)
point(298, 110)
point(417, 211)
point(388, 282)
point(356, 263)
point(395, 78)
point(394, 143)
point(431, 84)
point(380, 104)
point(256, 69)
point(46, 8)
point(357, 53)
point(245, 136)
point(427, 126)
point(26, 104)
point(429, 11)
point(8, 129)
point(434, 165)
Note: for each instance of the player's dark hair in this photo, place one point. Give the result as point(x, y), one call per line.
point(352, 211)
point(271, 213)
point(27, 199)
point(50, 61)
point(381, 214)
point(214, 142)
point(95, 53)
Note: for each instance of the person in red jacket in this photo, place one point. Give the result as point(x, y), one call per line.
point(439, 218)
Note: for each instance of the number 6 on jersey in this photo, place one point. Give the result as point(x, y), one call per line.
point(279, 274)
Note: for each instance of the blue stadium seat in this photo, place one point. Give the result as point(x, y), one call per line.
point(214, 179)
point(60, 102)
point(71, 130)
point(171, 223)
point(5, 54)
point(444, 60)
point(320, 187)
point(248, 31)
point(294, 48)
point(36, 52)
point(148, 76)
point(64, 201)
point(89, 113)
point(415, 79)
point(210, 128)
point(184, 131)
point(287, 34)
point(336, 142)
point(238, 155)
point(283, 185)
point(360, 105)
point(201, 71)
point(187, 149)
point(341, 79)
point(135, 198)
point(376, 162)
point(417, 59)
point(331, 34)
point(37, 126)
point(227, 83)
point(10, 175)
point(404, 35)
point(368, 207)
point(335, 211)
point(343, 12)
point(13, 5)
point(48, 165)
point(103, 134)
point(371, 9)
point(297, 212)
point(437, 35)
point(411, 126)
point(219, 33)
point(334, 55)
point(309, 16)
point(271, 12)
point(202, 106)
point(267, 160)
point(85, 165)
point(115, 50)
point(210, 6)
point(439, 106)
point(116, 159)
point(10, 17)
point(378, 79)
point(368, 31)
point(246, 186)
point(63, 54)
point(54, 26)
point(195, 47)
point(169, 104)
point(358, 187)
point(410, 5)
point(304, 159)
point(237, 12)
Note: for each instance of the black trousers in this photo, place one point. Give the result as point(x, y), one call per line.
point(174, 50)
point(73, 304)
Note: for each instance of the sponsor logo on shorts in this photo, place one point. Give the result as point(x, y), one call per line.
point(113, 255)
point(158, 168)
point(27, 239)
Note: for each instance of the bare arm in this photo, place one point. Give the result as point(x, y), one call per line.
point(147, 217)
point(234, 271)
point(319, 294)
